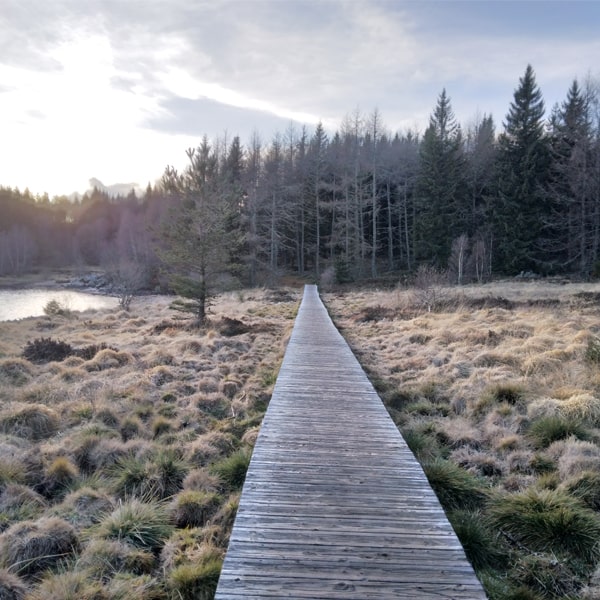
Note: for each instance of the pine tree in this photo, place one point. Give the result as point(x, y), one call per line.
point(198, 240)
point(521, 206)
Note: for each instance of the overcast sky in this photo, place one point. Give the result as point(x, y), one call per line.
point(118, 89)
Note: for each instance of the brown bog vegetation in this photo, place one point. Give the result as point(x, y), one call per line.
point(124, 442)
point(496, 389)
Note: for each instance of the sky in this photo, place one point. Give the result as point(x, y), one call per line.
point(116, 90)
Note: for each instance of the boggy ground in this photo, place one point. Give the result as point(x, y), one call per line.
point(497, 391)
point(121, 465)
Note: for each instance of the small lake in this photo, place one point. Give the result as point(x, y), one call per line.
point(20, 304)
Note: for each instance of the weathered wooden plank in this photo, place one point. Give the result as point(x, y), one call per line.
point(335, 505)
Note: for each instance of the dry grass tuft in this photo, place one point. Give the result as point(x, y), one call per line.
point(34, 421)
point(30, 547)
point(15, 371)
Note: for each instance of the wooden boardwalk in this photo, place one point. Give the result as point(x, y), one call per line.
point(335, 504)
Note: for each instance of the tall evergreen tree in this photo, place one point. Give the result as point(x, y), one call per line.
point(573, 229)
point(198, 241)
point(440, 186)
point(521, 205)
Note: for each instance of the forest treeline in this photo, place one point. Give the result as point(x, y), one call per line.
point(354, 204)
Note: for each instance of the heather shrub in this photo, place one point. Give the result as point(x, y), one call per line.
point(145, 525)
point(30, 547)
point(548, 521)
point(43, 350)
point(34, 421)
point(12, 587)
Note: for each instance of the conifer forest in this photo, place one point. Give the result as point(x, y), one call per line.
point(478, 200)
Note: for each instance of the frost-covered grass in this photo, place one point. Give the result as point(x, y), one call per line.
point(120, 471)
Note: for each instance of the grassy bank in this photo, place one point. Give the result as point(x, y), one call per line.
point(497, 391)
point(121, 463)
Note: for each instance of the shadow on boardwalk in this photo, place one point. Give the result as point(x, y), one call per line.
point(335, 504)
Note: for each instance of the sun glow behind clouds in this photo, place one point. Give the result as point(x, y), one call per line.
point(77, 120)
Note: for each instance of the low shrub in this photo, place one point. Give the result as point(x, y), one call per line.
point(30, 547)
point(55, 308)
point(455, 487)
point(43, 350)
point(548, 521)
point(145, 525)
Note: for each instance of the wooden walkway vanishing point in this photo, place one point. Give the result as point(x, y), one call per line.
point(335, 504)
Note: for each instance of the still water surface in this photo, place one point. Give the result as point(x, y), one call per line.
point(19, 304)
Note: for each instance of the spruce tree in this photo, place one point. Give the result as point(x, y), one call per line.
point(440, 196)
point(571, 240)
point(521, 205)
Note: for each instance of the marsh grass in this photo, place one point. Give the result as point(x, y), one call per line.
point(232, 469)
point(548, 521)
point(115, 442)
point(145, 525)
point(517, 365)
